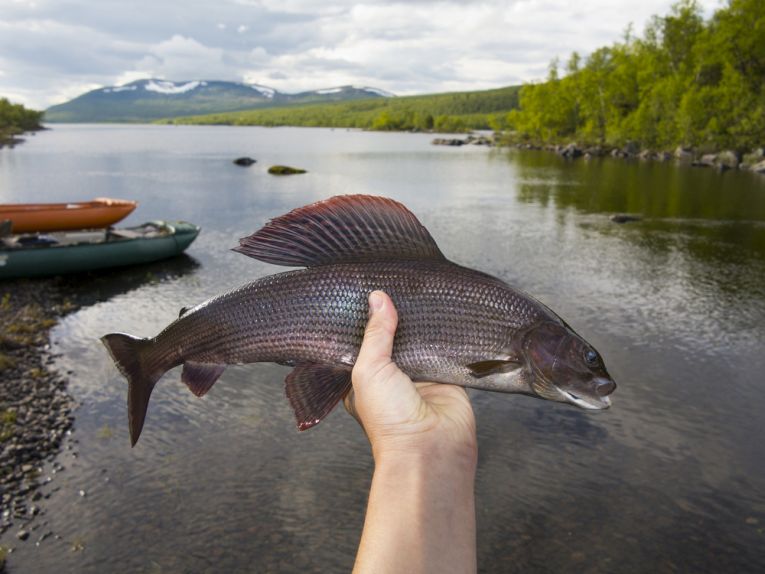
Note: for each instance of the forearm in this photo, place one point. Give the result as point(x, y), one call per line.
point(421, 514)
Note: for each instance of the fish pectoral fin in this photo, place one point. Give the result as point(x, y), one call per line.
point(492, 367)
point(314, 389)
point(200, 377)
point(183, 311)
point(342, 229)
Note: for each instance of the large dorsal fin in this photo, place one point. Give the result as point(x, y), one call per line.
point(342, 229)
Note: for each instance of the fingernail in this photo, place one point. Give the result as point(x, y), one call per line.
point(375, 301)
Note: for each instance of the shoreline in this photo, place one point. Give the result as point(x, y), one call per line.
point(724, 160)
point(35, 408)
point(721, 161)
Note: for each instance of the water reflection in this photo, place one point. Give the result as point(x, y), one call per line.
point(91, 288)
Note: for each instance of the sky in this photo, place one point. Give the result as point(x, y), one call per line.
point(54, 50)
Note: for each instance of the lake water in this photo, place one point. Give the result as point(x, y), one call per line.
point(671, 478)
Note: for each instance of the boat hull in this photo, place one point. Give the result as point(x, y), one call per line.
point(34, 217)
point(79, 257)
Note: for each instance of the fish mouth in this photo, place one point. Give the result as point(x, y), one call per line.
point(596, 403)
point(597, 400)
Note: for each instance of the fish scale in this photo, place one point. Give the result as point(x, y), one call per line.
point(456, 325)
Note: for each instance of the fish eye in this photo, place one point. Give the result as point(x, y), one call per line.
point(591, 357)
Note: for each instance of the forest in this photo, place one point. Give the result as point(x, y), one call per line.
point(686, 82)
point(15, 119)
point(453, 112)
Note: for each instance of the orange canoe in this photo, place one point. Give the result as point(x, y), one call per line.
point(30, 217)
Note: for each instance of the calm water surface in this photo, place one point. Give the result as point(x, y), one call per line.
point(672, 478)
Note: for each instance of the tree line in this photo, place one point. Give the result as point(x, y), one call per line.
point(686, 82)
point(455, 112)
point(16, 119)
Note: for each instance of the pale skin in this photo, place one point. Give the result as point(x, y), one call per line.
point(421, 511)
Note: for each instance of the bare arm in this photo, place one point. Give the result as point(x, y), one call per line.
point(421, 511)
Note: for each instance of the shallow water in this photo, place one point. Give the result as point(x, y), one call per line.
point(672, 478)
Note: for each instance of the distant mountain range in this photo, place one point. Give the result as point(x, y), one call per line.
point(149, 100)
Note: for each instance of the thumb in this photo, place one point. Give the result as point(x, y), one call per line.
point(378, 384)
point(377, 347)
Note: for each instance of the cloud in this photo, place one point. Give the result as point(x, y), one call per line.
point(50, 48)
point(183, 58)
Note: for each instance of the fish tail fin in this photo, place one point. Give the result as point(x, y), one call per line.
point(130, 356)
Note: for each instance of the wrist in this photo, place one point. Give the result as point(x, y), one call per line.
point(426, 456)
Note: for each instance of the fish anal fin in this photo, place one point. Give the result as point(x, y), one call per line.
point(492, 367)
point(314, 389)
point(200, 377)
point(342, 229)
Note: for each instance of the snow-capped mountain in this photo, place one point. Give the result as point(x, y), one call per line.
point(152, 99)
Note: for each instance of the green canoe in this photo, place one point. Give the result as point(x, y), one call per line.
point(78, 251)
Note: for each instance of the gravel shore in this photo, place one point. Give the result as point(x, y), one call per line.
point(35, 409)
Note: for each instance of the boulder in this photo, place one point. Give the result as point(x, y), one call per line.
point(759, 167)
point(284, 170)
point(449, 141)
point(683, 154)
point(571, 151)
point(594, 151)
point(244, 161)
point(729, 159)
point(631, 149)
point(664, 156)
point(750, 159)
point(646, 154)
point(479, 140)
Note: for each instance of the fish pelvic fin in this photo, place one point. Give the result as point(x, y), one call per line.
point(342, 229)
point(314, 389)
point(129, 355)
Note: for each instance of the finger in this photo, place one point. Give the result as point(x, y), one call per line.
point(377, 346)
point(376, 377)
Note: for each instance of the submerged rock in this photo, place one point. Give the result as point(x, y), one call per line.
point(284, 170)
point(624, 218)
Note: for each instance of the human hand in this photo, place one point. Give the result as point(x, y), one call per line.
point(421, 510)
point(401, 417)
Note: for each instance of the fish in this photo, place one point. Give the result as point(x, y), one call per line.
point(456, 325)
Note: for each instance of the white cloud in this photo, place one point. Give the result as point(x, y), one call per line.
point(47, 49)
point(182, 58)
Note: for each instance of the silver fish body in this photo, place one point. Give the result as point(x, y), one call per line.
point(449, 317)
point(456, 325)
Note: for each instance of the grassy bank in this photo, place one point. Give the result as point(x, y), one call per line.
point(454, 112)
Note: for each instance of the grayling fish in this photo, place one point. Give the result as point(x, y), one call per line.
point(456, 325)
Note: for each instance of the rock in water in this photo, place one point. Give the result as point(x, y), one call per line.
point(624, 218)
point(244, 161)
point(284, 170)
